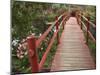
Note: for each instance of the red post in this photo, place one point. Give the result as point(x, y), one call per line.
point(88, 27)
point(57, 29)
point(80, 21)
point(78, 18)
point(31, 40)
point(63, 21)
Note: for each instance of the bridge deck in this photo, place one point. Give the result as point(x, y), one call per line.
point(72, 52)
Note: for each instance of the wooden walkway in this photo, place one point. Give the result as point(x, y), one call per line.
point(72, 52)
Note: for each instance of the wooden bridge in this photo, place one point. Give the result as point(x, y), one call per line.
point(72, 51)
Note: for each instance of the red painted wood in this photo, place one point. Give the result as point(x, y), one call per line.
point(48, 30)
point(51, 42)
point(63, 18)
point(57, 29)
point(90, 34)
point(88, 21)
point(88, 27)
point(81, 22)
point(33, 44)
point(32, 53)
point(72, 52)
point(47, 51)
point(43, 36)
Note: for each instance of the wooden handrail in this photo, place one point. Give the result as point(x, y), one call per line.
point(87, 20)
point(43, 36)
point(87, 27)
point(84, 25)
point(47, 51)
point(62, 22)
point(90, 34)
point(48, 30)
point(33, 44)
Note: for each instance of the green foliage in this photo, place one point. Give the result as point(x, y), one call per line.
point(90, 11)
point(28, 18)
point(92, 47)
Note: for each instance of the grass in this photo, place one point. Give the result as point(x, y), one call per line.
point(92, 47)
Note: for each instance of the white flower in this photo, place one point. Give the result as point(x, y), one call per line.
point(26, 53)
point(42, 48)
point(40, 34)
point(18, 55)
point(21, 56)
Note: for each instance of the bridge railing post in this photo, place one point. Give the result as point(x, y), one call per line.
point(63, 21)
point(31, 40)
point(57, 29)
point(81, 20)
point(78, 19)
point(88, 27)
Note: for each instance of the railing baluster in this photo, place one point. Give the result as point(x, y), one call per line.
point(33, 44)
point(81, 20)
point(78, 19)
point(57, 29)
point(63, 21)
point(88, 27)
point(31, 40)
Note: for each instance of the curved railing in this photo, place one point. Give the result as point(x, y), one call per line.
point(34, 43)
point(86, 23)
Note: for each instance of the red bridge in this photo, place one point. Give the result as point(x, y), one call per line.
point(72, 50)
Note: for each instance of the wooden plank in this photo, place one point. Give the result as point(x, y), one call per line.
point(72, 52)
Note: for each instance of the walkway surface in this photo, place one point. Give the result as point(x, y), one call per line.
point(72, 52)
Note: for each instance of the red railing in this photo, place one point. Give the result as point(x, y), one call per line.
point(87, 27)
point(34, 43)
